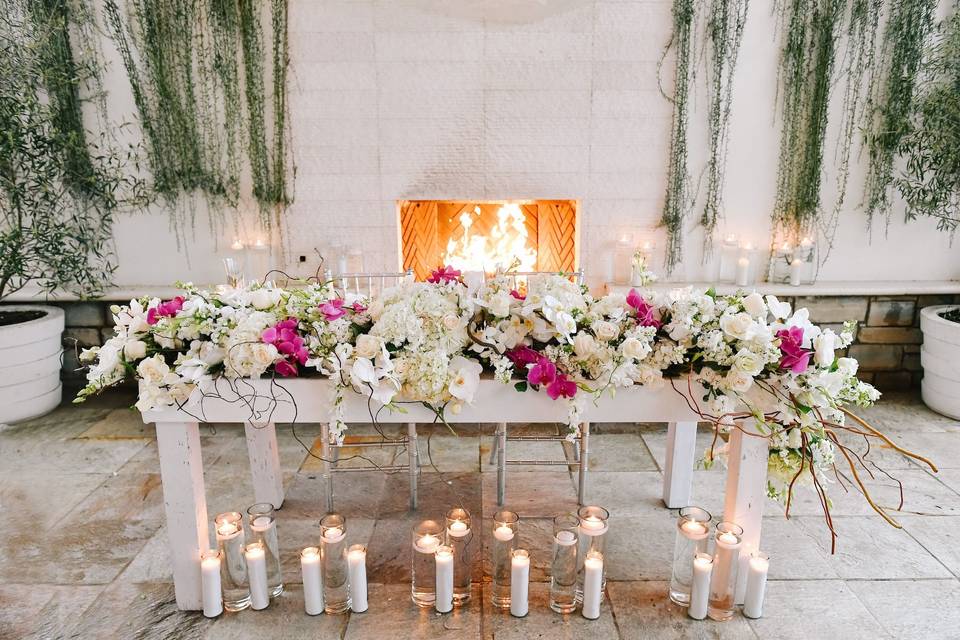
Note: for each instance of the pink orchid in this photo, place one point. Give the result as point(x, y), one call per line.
point(522, 356)
point(164, 310)
point(286, 369)
point(358, 307)
point(562, 386)
point(544, 372)
point(289, 343)
point(332, 309)
point(516, 294)
point(794, 357)
point(444, 275)
point(645, 311)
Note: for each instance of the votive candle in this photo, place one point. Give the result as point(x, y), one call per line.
point(210, 579)
point(519, 582)
point(795, 271)
point(427, 537)
point(257, 572)
point(700, 586)
point(444, 577)
point(592, 585)
point(726, 561)
point(357, 564)
point(758, 567)
point(505, 526)
point(233, 564)
point(743, 271)
point(312, 581)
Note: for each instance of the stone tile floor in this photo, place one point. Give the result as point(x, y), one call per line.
point(83, 542)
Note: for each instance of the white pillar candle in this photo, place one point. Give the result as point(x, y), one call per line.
point(700, 586)
point(756, 584)
point(312, 581)
point(795, 267)
point(357, 564)
point(743, 271)
point(519, 582)
point(592, 583)
point(444, 576)
point(210, 578)
point(503, 533)
point(257, 574)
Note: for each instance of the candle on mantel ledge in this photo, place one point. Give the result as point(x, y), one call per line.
point(237, 245)
point(312, 581)
point(795, 268)
point(743, 271)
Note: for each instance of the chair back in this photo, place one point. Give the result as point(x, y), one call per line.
point(367, 284)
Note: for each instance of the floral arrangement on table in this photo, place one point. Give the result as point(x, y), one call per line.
point(759, 362)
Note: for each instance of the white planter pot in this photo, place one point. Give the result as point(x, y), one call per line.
point(30, 364)
point(940, 357)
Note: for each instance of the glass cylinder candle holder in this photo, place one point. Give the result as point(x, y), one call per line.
point(427, 538)
point(233, 563)
point(693, 529)
point(336, 571)
point(262, 523)
point(592, 537)
point(506, 526)
point(563, 567)
point(459, 538)
point(728, 538)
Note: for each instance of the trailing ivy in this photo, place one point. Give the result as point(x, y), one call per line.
point(678, 198)
point(725, 31)
point(892, 94)
point(810, 32)
point(198, 74)
point(930, 182)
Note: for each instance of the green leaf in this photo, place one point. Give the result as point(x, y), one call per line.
point(520, 386)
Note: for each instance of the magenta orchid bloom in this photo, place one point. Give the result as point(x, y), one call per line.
point(164, 310)
point(516, 294)
point(562, 387)
point(284, 337)
point(522, 356)
point(544, 372)
point(358, 307)
point(444, 275)
point(645, 311)
point(332, 309)
point(795, 358)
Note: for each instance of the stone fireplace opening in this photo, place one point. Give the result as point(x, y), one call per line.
point(472, 235)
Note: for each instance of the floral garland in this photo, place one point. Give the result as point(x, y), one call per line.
point(759, 361)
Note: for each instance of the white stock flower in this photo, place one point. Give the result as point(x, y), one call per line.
point(847, 366)
point(465, 378)
point(753, 304)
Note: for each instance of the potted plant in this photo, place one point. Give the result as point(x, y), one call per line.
point(940, 357)
point(58, 193)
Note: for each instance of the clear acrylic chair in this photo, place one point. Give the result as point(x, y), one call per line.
point(369, 284)
point(581, 446)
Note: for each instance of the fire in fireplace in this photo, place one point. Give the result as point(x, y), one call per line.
point(531, 235)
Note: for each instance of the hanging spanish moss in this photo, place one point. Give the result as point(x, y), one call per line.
point(678, 199)
point(725, 31)
point(810, 31)
point(892, 94)
point(930, 182)
point(197, 70)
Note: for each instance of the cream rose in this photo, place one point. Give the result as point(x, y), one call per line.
point(135, 350)
point(753, 304)
point(633, 348)
point(584, 344)
point(737, 325)
point(747, 362)
point(264, 298)
point(606, 331)
point(368, 346)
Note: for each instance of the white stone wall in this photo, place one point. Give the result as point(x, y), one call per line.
point(495, 99)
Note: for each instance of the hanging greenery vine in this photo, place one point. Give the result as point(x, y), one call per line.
point(810, 31)
point(725, 31)
point(892, 92)
point(930, 182)
point(678, 199)
point(197, 71)
point(59, 189)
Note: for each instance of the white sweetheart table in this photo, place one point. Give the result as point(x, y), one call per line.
point(260, 404)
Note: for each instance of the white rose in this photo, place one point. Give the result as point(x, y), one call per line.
point(753, 304)
point(135, 350)
point(500, 304)
point(264, 298)
point(824, 345)
point(368, 346)
point(737, 325)
point(375, 310)
point(584, 345)
point(633, 348)
point(606, 331)
point(739, 381)
point(748, 362)
point(848, 366)
point(153, 370)
point(451, 321)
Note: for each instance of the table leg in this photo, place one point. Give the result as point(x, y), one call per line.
point(413, 462)
point(325, 454)
point(501, 438)
point(679, 463)
point(584, 463)
point(181, 471)
point(265, 463)
point(746, 494)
